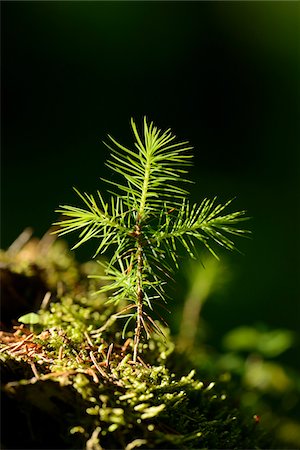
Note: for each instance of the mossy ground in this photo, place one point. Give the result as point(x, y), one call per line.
point(69, 380)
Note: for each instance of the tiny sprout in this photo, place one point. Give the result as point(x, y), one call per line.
point(146, 221)
point(29, 319)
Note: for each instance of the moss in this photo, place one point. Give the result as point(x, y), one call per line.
point(72, 383)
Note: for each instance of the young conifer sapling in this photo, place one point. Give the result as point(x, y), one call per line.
point(146, 221)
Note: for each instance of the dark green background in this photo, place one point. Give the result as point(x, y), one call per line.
point(223, 75)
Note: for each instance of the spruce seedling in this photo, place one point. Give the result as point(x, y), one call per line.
point(146, 220)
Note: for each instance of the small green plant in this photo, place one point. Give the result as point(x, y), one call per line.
point(29, 319)
point(146, 221)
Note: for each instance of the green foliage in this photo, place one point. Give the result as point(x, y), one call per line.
point(66, 367)
point(30, 319)
point(268, 343)
point(256, 361)
point(148, 406)
point(147, 221)
point(114, 405)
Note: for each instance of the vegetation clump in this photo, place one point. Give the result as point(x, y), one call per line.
point(71, 376)
point(69, 381)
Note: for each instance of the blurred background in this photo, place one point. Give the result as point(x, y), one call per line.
point(224, 75)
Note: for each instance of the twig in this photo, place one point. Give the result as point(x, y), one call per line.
point(21, 240)
point(139, 293)
point(60, 352)
point(108, 354)
point(22, 328)
point(100, 370)
point(35, 372)
point(46, 300)
point(126, 343)
point(58, 374)
point(111, 320)
point(142, 362)
point(88, 339)
point(94, 375)
point(3, 349)
point(79, 359)
point(18, 345)
point(46, 241)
